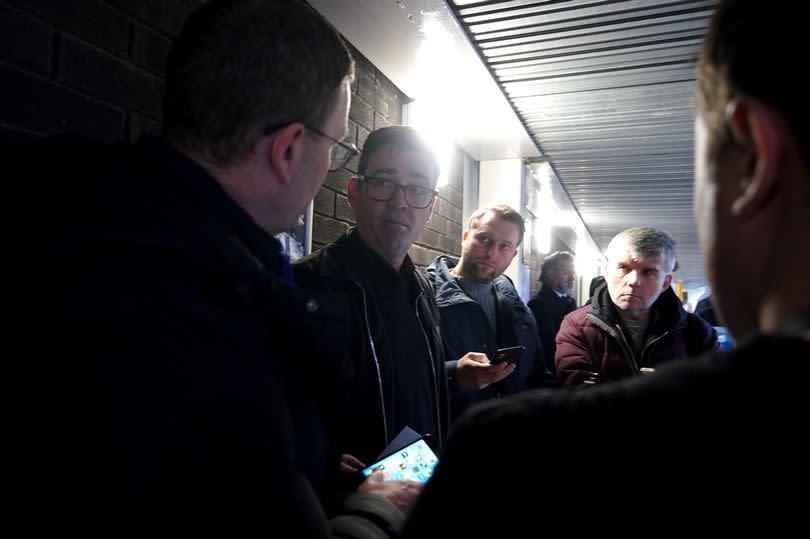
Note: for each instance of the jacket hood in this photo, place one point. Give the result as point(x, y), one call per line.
point(448, 290)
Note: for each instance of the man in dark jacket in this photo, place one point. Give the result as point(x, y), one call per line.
point(394, 375)
point(635, 321)
point(706, 444)
point(553, 301)
point(482, 312)
point(164, 367)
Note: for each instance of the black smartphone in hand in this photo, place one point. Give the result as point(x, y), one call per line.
point(509, 355)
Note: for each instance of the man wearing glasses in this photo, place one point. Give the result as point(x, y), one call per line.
point(163, 381)
point(394, 376)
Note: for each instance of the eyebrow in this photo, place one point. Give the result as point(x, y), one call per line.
point(393, 171)
point(479, 231)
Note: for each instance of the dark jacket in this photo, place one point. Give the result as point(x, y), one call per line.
point(626, 453)
point(549, 310)
point(465, 328)
point(705, 310)
point(361, 417)
point(165, 374)
point(592, 339)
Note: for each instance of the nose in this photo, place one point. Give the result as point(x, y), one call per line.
point(632, 278)
point(397, 200)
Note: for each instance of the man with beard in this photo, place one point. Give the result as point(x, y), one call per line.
point(481, 312)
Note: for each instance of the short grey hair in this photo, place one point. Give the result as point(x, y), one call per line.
point(648, 242)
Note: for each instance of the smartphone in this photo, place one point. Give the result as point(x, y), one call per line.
point(509, 355)
point(414, 462)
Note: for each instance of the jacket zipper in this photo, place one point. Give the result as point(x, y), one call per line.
point(433, 374)
point(652, 342)
point(633, 361)
point(617, 333)
point(376, 362)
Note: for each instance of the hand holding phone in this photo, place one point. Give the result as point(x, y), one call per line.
point(508, 355)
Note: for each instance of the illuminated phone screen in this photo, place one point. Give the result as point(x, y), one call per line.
point(414, 462)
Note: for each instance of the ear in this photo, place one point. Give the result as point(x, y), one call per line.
point(465, 234)
point(756, 128)
point(432, 203)
point(352, 190)
point(286, 151)
point(667, 282)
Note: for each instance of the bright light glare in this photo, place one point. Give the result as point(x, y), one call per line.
point(454, 95)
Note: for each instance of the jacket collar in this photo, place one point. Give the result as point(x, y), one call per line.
point(547, 293)
point(343, 259)
point(448, 290)
point(211, 205)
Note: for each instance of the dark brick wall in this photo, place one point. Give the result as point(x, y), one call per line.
point(88, 66)
point(96, 67)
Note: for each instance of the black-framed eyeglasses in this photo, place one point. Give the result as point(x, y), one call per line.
point(342, 150)
point(382, 189)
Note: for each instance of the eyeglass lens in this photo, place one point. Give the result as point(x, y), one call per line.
point(415, 197)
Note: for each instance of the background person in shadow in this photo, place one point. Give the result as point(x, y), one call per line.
point(166, 369)
point(702, 444)
point(553, 301)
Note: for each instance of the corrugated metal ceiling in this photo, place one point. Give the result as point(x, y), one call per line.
point(604, 88)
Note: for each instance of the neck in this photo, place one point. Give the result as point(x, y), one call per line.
point(636, 316)
point(396, 262)
point(775, 310)
point(786, 295)
point(460, 270)
point(392, 256)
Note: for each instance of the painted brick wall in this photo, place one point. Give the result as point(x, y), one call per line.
point(96, 67)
